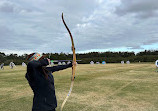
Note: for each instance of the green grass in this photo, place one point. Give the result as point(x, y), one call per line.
point(110, 87)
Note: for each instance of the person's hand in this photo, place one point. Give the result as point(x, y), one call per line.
point(74, 63)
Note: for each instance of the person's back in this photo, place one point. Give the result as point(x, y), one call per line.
point(43, 88)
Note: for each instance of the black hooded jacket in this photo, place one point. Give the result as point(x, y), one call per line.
point(43, 88)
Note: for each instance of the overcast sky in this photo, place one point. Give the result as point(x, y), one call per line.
point(28, 26)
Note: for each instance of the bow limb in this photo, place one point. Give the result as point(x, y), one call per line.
point(73, 66)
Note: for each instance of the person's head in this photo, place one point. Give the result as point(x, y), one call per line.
point(35, 56)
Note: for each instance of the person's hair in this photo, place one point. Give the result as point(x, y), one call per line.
point(45, 71)
point(30, 55)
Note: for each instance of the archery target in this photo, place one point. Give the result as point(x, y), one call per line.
point(156, 63)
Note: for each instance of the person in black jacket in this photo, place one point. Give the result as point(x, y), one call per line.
point(41, 81)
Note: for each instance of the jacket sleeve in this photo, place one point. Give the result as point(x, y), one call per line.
point(36, 64)
point(59, 67)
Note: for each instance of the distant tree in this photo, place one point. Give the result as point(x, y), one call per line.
point(109, 57)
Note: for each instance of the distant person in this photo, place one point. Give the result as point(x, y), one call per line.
point(41, 81)
point(2, 66)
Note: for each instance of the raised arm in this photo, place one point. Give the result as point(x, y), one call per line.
point(36, 64)
point(59, 67)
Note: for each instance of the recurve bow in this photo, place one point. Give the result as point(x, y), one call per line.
point(73, 67)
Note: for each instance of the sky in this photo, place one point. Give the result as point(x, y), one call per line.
point(28, 26)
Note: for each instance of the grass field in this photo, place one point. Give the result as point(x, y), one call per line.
point(110, 87)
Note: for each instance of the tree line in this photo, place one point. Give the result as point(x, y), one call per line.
point(108, 57)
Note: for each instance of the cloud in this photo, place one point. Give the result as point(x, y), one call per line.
point(140, 8)
point(95, 25)
point(150, 41)
point(7, 6)
point(107, 30)
point(10, 40)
